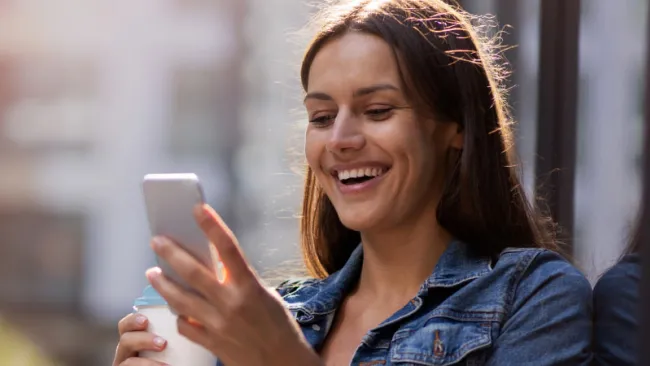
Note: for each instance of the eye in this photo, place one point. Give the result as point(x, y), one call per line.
point(379, 114)
point(323, 120)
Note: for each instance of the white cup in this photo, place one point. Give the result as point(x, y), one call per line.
point(179, 350)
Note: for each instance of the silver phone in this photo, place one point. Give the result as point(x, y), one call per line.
point(170, 200)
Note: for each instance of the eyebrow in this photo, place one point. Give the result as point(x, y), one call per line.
point(357, 93)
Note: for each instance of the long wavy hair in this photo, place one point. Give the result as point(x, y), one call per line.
point(453, 74)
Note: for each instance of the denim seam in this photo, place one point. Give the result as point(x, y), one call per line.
point(520, 270)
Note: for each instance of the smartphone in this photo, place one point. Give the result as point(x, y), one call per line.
point(170, 200)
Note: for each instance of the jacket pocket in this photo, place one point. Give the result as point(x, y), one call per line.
point(442, 341)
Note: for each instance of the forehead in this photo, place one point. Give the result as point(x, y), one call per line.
point(353, 60)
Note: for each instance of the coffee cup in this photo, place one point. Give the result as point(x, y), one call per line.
point(179, 350)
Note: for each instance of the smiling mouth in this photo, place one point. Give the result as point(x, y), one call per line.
point(357, 176)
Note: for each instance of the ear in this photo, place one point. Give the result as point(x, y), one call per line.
point(457, 139)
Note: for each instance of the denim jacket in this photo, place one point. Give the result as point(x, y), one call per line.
point(616, 314)
point(526, 307)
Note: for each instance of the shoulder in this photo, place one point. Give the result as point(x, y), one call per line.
point(628, 270)
point(547, 305)
point(538, 262)
point(541, 275)
point(619, 286)
point(616, 324)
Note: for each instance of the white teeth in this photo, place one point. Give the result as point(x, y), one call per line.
point(358, 173)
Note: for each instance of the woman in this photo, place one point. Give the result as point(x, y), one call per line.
point(617, 301)
point(422, 244)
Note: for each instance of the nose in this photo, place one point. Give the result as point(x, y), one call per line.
point(347, 135)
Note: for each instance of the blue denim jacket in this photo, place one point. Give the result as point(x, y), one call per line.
point(616, 314)
point(527, 307)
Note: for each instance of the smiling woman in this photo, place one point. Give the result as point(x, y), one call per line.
point(409, 153)
point(422, 244)
point(420, 66)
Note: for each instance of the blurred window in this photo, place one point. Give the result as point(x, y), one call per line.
point(41, 254)
point(47, 104)
point(204, 109)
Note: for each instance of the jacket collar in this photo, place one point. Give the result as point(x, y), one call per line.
point(456, 266)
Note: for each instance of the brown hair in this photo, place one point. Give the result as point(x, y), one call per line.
point(455, 75)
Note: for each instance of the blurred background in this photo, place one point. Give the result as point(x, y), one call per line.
point(94, 94)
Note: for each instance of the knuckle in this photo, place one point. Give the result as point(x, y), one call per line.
point(194, 274)
point(218, 326)
point(251, 287)
point(126, 343)
point(229, 248)
point(182, 327)
point(135, 341)
point(205, 222)
point(237, 306)
point(165, 250)
point(182, 305)
point(123, 324)
point(247, 289)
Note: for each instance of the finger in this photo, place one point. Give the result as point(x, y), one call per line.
point(137, 361)
point(133, 342)
point(224, 240)
point(182, 301)
point(132, 322)
point(193, 272)
point(194, 332)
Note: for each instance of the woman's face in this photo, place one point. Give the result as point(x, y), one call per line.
point(379, 163)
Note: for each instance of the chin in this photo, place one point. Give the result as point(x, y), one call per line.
point(358, 221)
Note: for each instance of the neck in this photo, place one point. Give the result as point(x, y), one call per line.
point(397, 261)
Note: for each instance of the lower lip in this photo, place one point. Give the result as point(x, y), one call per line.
point(358, 188)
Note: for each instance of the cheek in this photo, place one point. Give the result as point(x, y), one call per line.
point(414, 146)
point(314, 148)
point(422, 162)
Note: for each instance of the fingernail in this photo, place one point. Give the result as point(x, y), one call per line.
point(140, 319)
point(153, 273)
point(159, 342)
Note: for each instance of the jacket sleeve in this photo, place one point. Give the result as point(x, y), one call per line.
point(550, 319)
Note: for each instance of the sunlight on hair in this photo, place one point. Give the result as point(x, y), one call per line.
point(374, 5)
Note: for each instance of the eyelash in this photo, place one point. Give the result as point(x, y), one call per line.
point(376, 114)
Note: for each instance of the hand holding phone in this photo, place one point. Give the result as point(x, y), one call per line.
point(170, 200)
point(228, 317)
